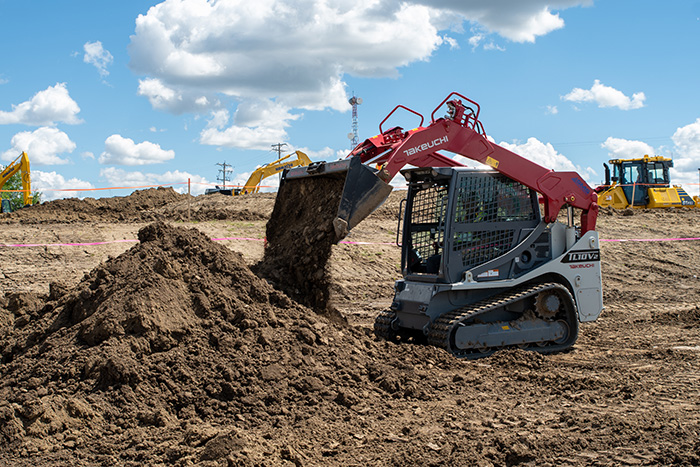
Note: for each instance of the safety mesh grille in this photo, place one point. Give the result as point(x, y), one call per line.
point(427, 219)
point(481, 246)
point(492, 198)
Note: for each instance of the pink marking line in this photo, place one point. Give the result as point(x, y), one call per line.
point(648, 239)
point(239, 238)
point(67, 244)
point(249, 239)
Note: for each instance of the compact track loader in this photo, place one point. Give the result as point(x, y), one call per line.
point(484, 267)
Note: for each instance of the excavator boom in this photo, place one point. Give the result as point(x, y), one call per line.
point(21, 164)
point(252, 185)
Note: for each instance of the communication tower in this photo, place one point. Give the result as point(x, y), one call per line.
point(353, 137)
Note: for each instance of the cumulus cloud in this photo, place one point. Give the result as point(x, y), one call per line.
point(686, 140)
point(178, 179)
point(545, 155)
point(256, 125)
point(619, 148)
point(228, 47)
point(98, 57)
point(53, 185)
point(298, 53)
point(175, 101)
point(200, 55)
point(48, 107)
point(43, 145)
point(124, 151)
point(606, 96)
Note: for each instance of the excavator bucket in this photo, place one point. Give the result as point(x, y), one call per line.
point(362, 190)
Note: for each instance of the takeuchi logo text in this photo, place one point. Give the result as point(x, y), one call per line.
point(426, 146)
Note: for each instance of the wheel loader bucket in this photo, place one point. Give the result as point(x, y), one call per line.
point(362, 190)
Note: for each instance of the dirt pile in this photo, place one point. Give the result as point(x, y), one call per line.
point(141, 205)
point(172, 332)
point(149, 205)
point(299, 237)
point(175, 352)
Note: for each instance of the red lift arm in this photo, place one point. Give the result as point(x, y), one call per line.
point(461, 132)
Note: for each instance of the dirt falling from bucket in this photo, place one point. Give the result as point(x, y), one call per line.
point(300, 235)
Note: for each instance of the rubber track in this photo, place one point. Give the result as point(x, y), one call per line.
point(382, 324)
point(442, 329)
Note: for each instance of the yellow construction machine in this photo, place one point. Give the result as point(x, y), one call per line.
point(642, 183)
point(21, 164)
point(261, 173)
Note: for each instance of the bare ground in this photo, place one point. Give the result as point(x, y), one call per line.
point(172, 352)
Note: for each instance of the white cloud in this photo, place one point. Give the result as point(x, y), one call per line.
point(178, 179)
point(48, 107)
point(552, 110)
point(53, 185)
point(541, 153)
point(687, 160)
point(97, 56)
point(545, 155)
point(175, 101)
point(271, 49)
point(619, 148)
point(298, 52)
point(606, 96)
point(124, 151)
point(43, 146)
point(256, 125)
point(515, 20)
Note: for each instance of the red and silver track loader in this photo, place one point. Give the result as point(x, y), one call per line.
point(483, 267)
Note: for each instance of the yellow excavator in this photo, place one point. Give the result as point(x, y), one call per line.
point(642, 183)
point(261, 173)
point(21, 164)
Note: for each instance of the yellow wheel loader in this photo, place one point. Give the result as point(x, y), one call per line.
point(642, 183)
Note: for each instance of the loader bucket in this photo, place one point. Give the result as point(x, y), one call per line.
point(362, 190)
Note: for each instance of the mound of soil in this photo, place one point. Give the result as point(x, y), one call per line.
point(167, 342)
point(251, 207)
point(138, 206)
point(149, 205)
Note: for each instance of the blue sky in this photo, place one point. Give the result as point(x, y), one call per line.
point(113, 94)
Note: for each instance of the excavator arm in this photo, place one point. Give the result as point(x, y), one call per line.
point(21, 164)
point(462, 133)
point(261, 173)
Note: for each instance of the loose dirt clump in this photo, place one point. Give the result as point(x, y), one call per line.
point(299, 237)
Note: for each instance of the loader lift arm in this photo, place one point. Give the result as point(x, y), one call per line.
point(461, 132)
point(21, 164)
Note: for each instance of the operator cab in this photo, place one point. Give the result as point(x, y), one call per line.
point(460, 220)
point(636, 176)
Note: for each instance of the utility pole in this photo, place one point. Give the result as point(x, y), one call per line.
point(278, 148)
point(223, 171)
